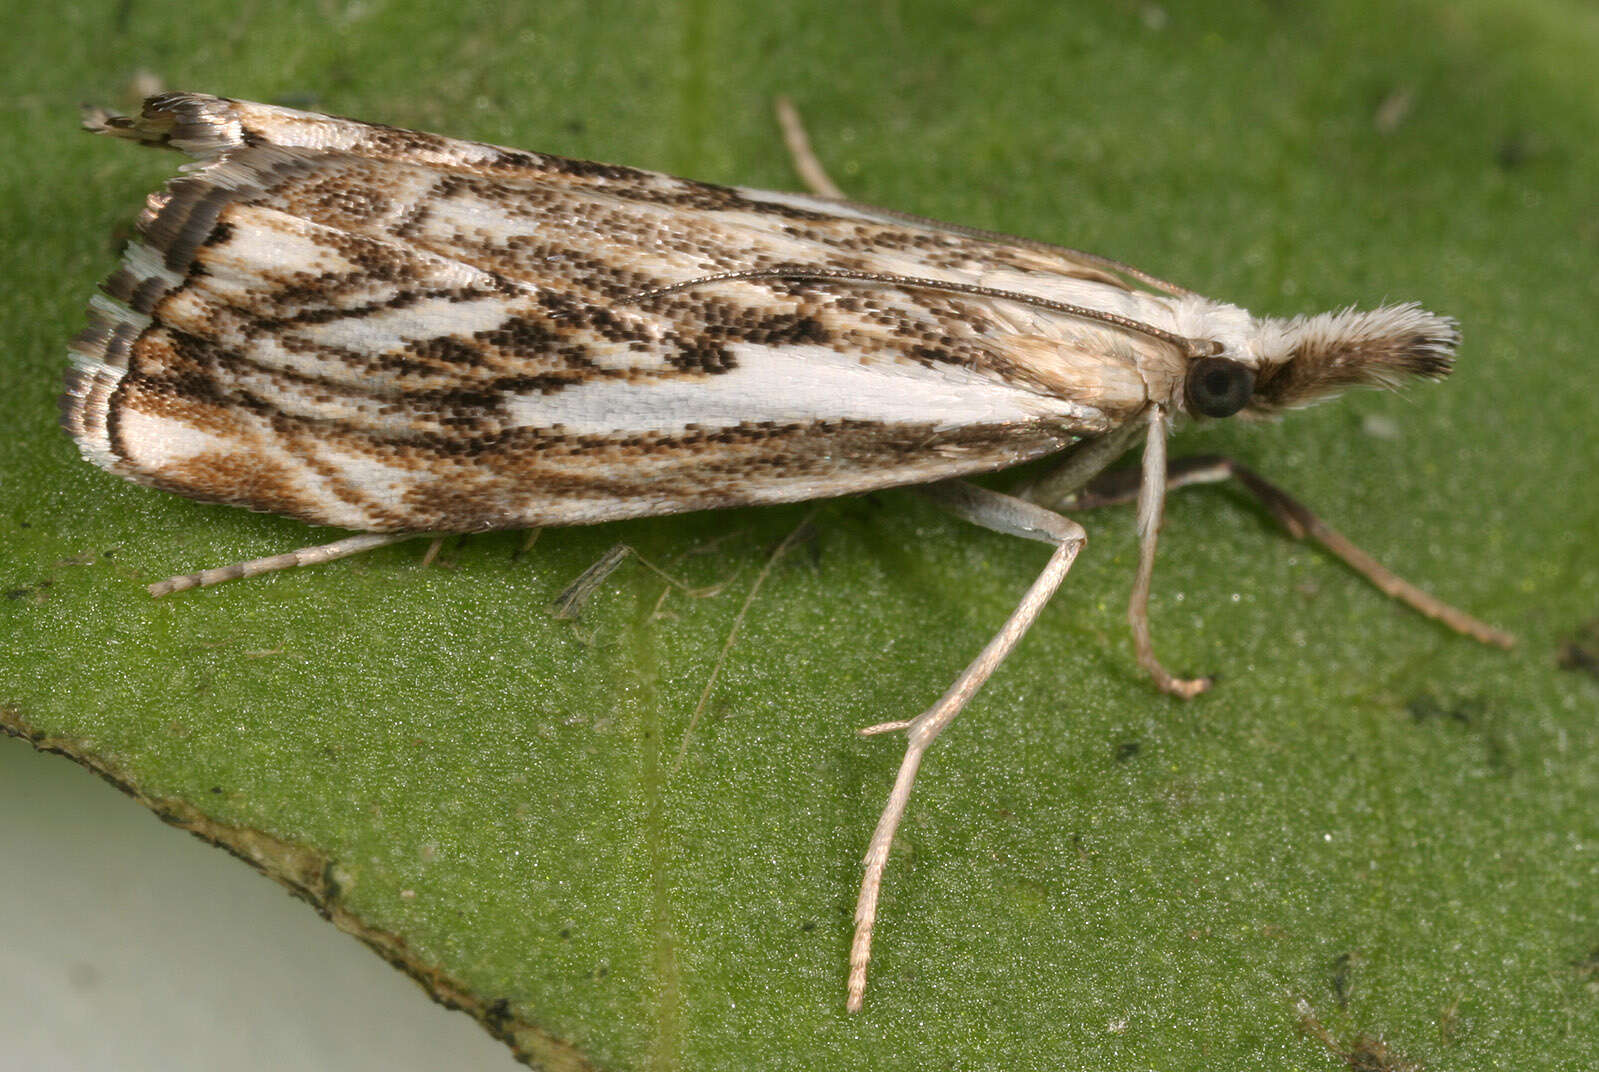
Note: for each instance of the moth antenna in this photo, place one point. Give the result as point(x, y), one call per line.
point(1185, 345)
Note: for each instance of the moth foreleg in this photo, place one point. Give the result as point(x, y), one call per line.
point(809, 168)
point(305, 556)
point(1151, 509)
point(1301, 523)
point(569, 604)
point(1002, 513)
point(1079, 469)
point(1059, 486)
point(571, 600)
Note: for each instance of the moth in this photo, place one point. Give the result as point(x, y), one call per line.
point(398, 333)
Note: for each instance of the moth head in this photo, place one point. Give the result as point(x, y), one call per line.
point(1298, 362)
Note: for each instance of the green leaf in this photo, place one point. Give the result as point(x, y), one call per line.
point(1370, 819)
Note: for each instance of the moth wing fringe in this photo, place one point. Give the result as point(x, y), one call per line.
point(176, 222)
point(85, 408)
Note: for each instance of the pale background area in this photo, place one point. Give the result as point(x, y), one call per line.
point(131, 945)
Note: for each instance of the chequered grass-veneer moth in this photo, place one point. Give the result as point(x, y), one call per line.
point(399, 333)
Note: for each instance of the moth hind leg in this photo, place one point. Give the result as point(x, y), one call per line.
point(810, 169)
point(1014, 517)
point(1301, 523)
point(304, 556)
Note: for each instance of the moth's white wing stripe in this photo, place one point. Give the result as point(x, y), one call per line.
point(793, 384)
point(646, 235)
point(268, 241)
point(158, 443)
point(275, 242)
point(392, 329)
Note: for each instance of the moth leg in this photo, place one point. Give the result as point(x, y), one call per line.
point(810, 169)
point(1059, 486)
point(799, 533)
point(1151, 509)
point(1301, 523)
point(569, 603)
point(1080, 467)
point(1002, 513)
point(435, 545)
point(305, 556)
point(571, 600)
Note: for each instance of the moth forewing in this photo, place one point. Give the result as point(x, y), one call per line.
point(401, 333)
point(433, 340)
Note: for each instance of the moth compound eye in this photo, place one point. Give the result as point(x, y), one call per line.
point(1218, 387)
